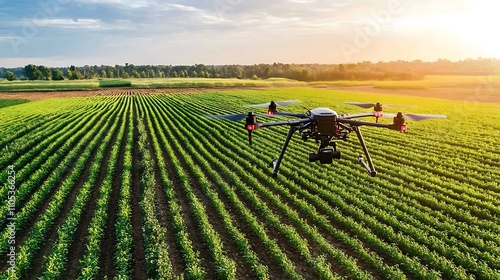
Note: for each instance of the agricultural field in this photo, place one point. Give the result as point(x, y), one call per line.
point(153, 83)
point(136, 184)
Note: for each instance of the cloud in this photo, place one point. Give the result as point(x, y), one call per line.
point(83, 23)
point(222, 31)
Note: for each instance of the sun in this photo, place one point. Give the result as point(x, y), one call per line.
point(478, 25)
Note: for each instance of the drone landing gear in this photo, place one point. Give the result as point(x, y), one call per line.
point(369, 167)
point(276, 162)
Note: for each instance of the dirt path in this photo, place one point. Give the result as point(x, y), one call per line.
point(481, 93)
point(39, 95)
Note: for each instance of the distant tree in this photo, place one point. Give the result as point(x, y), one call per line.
point(117, 71)
point(9, 75)
point(193, 74)
point(237, 72)
point(46, 72)
point(175, 74)
point(143, 74)
point(254, 77)
point(93, 73)
point(151, 73)
point(76, 75)
point(33, 72)
point(125, 75)
point(267, 72)
point(86, 72)
point(111, 73)
point(57, 75)
point(103, 73)
point(135, 74)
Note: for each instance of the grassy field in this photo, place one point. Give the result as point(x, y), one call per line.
point(136, 185)
point(208, 83)
point(11, 102)
point(6, 86)
point(429, 82)
point(458, 84)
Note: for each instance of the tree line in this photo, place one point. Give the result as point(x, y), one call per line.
point(366, 70)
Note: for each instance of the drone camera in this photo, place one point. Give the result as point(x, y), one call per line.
point(325, 156)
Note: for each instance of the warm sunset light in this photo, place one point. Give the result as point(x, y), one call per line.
point(249, 139)
point(478, 25)
point(246, 32)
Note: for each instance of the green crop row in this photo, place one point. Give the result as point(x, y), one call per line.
point(156, 249)
point(89, 264)
point(431, 213)
point(41, 160)
point(37, 236)
point(124, 238)
point(30, 208)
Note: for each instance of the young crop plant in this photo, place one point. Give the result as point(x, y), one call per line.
point(137, 183)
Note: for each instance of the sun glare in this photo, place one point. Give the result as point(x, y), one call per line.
point(478, 26)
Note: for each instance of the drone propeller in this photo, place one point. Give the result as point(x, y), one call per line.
point(239, 117)
point(250, 121)
point(416, 117)
point(232, 117)
point(370, 105)
point(280, 103)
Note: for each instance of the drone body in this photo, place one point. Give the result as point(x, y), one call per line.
point(325, 126)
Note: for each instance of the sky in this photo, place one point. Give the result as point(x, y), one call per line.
point(186, 32)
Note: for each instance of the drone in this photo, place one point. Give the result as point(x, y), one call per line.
point(326, 127)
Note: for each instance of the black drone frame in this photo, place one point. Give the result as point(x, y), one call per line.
point(345, 126)
point(325, 126)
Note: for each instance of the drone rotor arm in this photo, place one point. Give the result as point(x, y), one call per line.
point(295, 115)
point(290, 123)
point(362, 123)
point(353, 116)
